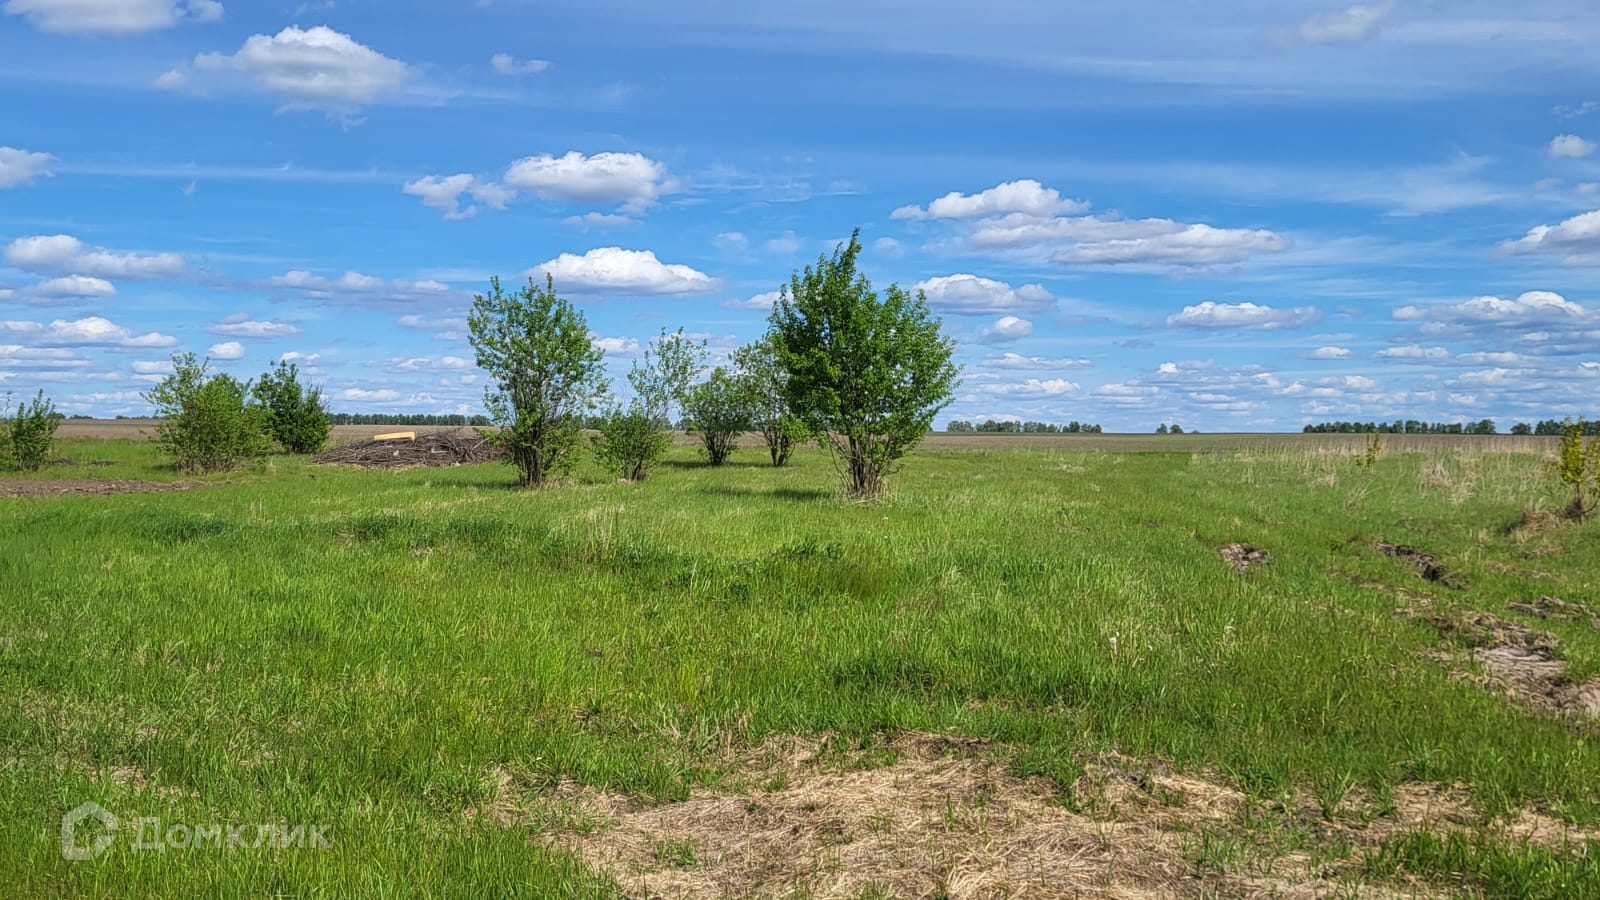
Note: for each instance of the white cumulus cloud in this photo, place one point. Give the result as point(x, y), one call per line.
point(1027, 196)
point(971, 295)
point(443, 192)
point(357, 289)
point(1328, 353)
point(226, 350)
point(91, 330)
point(625, 271)
point(763, 301)
point(112, 17)
point(242, 326)
point(1414, 352)
point(64, 254)
point(1006, 329)
point(19, 167)
point(1246, 315)
point(314, 68)
point(1577, 238)
point(630, 179)
point(75, 286)
point(1032, 387)
point(1570, 146)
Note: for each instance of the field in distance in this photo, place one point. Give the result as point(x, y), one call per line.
point(1251, 666)
point(139, 429)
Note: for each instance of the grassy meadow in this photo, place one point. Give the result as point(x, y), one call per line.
point(387, 654)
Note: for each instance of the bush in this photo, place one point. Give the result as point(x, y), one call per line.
point(207, 424)
point(718, 409)
point(865, 375)
point(631, 441)
point(296, 416)
point(27, 436)
point(1578, 467)
point(765, 380)
point(634, 438)
point(544, 374)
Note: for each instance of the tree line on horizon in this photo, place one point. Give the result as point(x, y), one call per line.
point(1543, 428)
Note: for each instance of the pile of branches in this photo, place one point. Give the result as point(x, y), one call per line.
point(429, 448)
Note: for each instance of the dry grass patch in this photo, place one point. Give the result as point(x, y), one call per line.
point(934, 816)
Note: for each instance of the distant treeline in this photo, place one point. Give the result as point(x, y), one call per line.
point(1411, 426)
point(404, 419)
point(992, 427)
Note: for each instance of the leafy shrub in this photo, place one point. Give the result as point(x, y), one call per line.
point(296, 416)
point(207, 424)
point(631, 441)
point(1578, 467)
point(764, 378)
point(718, 410)
point(27, 436)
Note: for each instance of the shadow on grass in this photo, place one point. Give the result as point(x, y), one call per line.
point(811, 495)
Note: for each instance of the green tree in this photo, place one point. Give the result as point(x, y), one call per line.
point(207, 422)
point(633, 438)
point(544, 374)
point(718, 410)
point(27, 436)
point(296, 416)
point(866, 375)
point(662, 378)
point(765, 381)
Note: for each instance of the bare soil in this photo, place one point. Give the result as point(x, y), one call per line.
point(40, 487)
point(1427, 566)
point(1517, 662)
point(1243, 556)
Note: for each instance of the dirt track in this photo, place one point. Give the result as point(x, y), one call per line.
point(47, 487)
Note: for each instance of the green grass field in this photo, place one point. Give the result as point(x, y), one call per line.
point(388, 655)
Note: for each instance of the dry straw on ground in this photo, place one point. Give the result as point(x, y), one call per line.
point(934, 816)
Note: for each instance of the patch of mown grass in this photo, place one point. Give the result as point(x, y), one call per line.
point(1492, 866)
point(360, 647)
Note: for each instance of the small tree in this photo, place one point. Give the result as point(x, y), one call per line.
point(27, 436)
point(1578, 467)
point(631, 441)
point(544, 374)
point(635, 437)
point(765, 381)
point(718, 409)
point(662, 379)
point(866, 375)
point(33, 431)
point(296, 416)
point(207, 424)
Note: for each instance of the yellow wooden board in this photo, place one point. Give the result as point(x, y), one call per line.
point(396, 436)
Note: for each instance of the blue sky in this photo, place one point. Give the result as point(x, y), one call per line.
point(1239, 217)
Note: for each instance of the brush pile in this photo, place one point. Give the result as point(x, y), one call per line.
point(430, 448)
